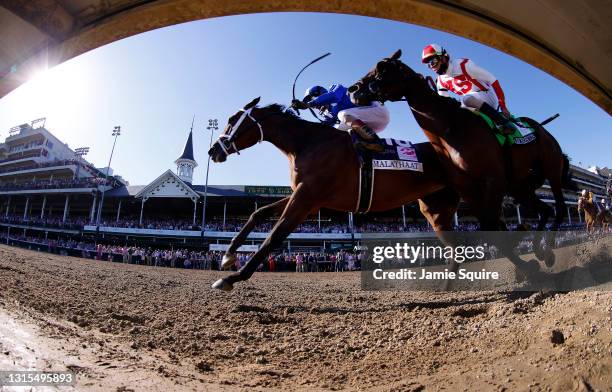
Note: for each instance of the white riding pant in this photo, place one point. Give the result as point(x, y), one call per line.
point(476, 99)
point(376, 116)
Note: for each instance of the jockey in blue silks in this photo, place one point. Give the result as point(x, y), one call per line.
point(338, 110)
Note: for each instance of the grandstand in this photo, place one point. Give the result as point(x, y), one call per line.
point(48, 191)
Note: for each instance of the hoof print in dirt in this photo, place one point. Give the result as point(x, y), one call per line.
point(556, 337)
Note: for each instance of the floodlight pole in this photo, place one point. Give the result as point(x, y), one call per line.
point(213, 125)
point(116, 133)
point(79, 153)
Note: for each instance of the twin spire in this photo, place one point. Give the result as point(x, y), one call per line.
point(186, 162)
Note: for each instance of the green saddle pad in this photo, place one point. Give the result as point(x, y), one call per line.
point(522, 134)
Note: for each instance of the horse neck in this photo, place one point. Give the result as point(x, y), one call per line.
point(589, 207)
point(293, 136)
point(429, 109)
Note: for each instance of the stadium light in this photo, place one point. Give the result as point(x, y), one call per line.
point(213, 125)
point(79, 153)
point(116, 133)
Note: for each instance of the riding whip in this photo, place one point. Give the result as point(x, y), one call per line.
point(298, 75)
point(549, 119)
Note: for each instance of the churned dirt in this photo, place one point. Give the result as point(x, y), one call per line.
point(126, 327)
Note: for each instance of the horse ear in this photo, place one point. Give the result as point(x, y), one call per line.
point(252, 103)
point(396, 55)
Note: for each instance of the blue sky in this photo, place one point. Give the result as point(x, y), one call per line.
point(153, 83)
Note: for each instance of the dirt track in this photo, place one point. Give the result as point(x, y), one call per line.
point(126, 327)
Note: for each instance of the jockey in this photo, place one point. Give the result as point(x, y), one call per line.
point(477, 87)
point(586, 195)
point(338, 110)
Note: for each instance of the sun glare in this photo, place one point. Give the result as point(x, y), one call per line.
point(56, 93)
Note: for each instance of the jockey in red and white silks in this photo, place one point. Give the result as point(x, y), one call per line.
point(475, 85)
point(477, 88)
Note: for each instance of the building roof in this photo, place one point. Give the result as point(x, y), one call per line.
point(125, 191)
point(213, 190)
point(167, 185)
point(188, 150)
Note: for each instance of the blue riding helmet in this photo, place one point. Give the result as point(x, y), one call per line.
point(314, 92)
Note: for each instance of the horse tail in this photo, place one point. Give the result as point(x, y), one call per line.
point(566, 178)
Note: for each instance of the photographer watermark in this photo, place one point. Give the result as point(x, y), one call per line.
point(477, 261)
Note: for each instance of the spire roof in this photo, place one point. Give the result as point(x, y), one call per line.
point(188, 150)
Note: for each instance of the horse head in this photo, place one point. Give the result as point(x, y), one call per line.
point(242, 131)
point(385, 82)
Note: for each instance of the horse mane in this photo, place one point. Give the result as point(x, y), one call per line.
point(282, 110)
point(413, 76)
point(277, 108)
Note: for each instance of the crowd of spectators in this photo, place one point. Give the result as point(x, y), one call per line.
point(56, 162)
point(186, 258)
point(58, 183)
point(234, 225)
point(51, 221)
point(282, 261)
point(152, 224)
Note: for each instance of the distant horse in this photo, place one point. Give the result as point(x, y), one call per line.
point(478, 167)
point(593, 216)
point(324, 171)
point(586, 205)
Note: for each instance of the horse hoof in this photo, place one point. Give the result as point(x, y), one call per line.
point(228, 261)
point(532, 266)
point(222, 285)
point(540, 254)
point(549, 260)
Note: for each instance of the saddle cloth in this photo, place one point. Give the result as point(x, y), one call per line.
point(523, 132)
point(398, 155)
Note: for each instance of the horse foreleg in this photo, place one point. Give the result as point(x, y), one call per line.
point(532, 202)
point(229, 258)
point(560, 211)
point(297, 208)
point(439, 209)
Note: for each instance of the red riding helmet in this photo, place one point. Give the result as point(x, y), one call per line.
point(430, 51)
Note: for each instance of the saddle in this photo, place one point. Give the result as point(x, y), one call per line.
point(398, 155)
point(523, 132)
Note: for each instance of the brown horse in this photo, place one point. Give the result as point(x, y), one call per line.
point(324, 172)
point(593, 216)
point(478, 167)
point(604, 218)
point(586, 205)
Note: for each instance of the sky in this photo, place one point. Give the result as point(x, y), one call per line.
point(152, 85)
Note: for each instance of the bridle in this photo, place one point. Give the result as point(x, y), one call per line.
point(227, 141)
point(386, 97)
point(379, 96)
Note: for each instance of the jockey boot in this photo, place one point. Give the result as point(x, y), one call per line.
point(368, 139)
point(503, 124)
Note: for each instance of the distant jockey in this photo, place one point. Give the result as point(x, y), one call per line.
point(338, 110)
point(478, 88)
point(604, 205)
